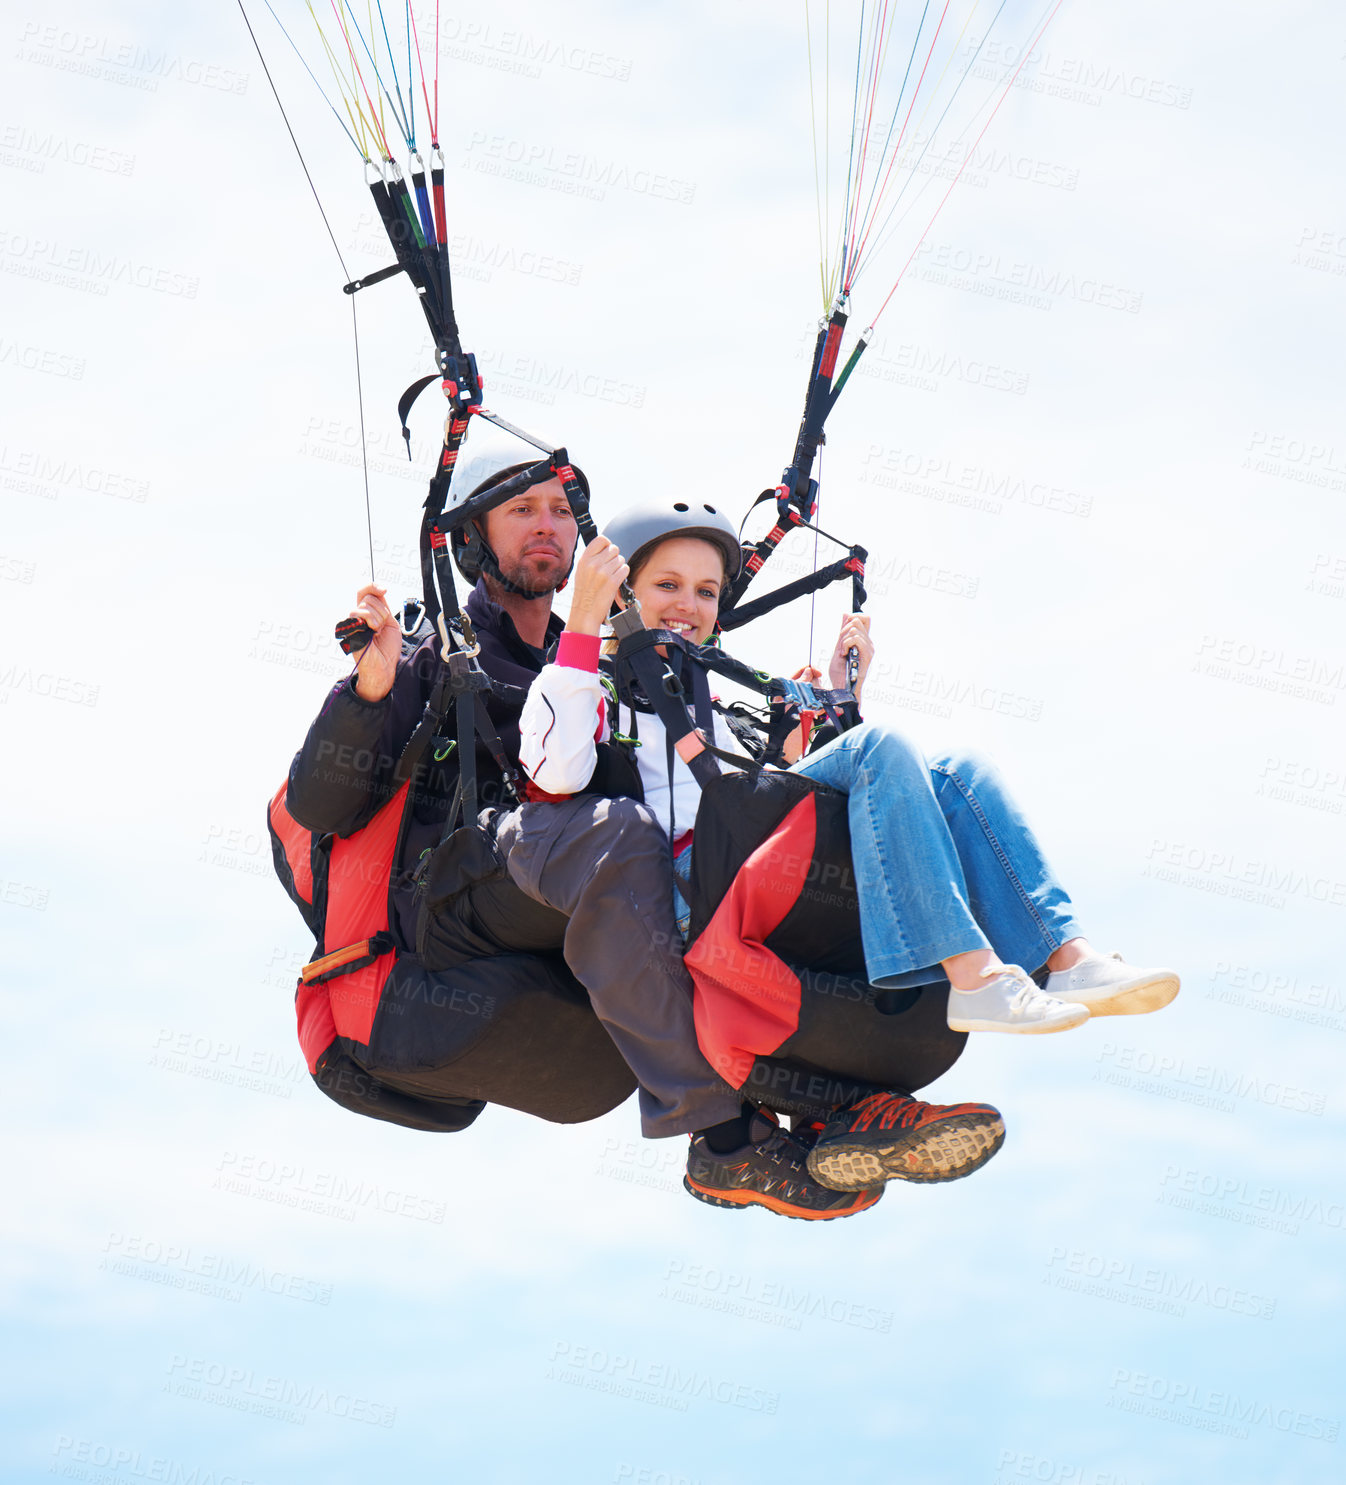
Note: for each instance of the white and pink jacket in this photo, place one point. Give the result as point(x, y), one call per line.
point(566, 717)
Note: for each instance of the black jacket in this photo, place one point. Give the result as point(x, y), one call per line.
point(343, 773)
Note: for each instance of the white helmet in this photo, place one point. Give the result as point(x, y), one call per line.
point(488, 465)
point(634, 530)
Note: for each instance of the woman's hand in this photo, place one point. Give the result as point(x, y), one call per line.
point(854, 636)
point(378, 660)
point(599, 573)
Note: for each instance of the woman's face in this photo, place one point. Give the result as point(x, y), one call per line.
point(679, 585)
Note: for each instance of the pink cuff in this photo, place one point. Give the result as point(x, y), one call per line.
point(578, 651)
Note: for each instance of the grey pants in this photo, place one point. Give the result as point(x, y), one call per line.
point(605, 864)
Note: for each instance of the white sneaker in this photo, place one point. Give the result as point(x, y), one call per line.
point(1108, 986)
point(1010, 1001)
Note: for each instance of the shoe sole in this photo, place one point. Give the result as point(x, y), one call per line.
point(739, 1201)
point(1131, 1000)
point(1033, 1028)
point(948, 1152)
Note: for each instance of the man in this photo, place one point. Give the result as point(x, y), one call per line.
point(599, 866)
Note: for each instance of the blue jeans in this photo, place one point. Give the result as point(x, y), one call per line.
point(944, 861)
point(682, 877)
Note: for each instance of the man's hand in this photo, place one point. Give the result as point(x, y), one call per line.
point(378, 660)
point(599, 573)
point(854, 636)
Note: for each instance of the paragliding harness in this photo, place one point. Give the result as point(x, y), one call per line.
point(424, 1034)
point(783, 1007)
point(506, 1023)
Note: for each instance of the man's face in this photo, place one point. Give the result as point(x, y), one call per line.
point(533, 537)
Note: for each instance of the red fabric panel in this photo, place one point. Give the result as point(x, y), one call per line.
point(746, 1000)
point(317, 1029)
point(357, 907)
point(295, 841)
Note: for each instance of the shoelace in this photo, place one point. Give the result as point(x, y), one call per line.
point(888, 1110)
point(1026, 996)
point(1027, 993)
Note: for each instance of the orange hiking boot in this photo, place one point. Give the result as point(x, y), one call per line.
point(770, 1171)
point(889, 1136)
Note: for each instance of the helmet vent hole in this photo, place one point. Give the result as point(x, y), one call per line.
point(711, 509)
point(680, 507)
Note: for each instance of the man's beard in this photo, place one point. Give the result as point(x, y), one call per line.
point(530, 585)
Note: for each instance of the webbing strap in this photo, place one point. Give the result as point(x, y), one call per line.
point(797, 494)
point(468, 685)
point(851, 566)
point(441, 595)
point(346, 961)
point(465, 795)
point(664, 692)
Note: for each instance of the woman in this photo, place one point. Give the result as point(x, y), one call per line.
point(950, 874)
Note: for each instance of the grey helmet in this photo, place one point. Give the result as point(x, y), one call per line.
point(653, 521)
point(489, 464)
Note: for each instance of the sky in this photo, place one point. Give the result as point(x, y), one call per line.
point(1096, 455)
